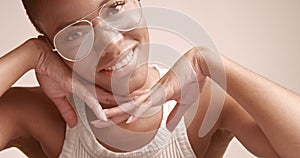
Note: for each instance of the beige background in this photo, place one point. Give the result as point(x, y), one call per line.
point(261, 35)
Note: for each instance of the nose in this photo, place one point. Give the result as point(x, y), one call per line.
point(106, 39)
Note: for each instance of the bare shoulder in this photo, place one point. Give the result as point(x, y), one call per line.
point(29, 112)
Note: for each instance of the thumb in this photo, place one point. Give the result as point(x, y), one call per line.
point(66, 110)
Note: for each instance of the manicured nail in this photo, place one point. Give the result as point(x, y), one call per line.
point(101, 114)
point(95, 121)
point(100, 124)
point(129, 120)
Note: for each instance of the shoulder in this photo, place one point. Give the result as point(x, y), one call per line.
point(31, 113)
point(17, 106)
point(27, 105)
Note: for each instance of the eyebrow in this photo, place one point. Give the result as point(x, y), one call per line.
point(61, 26)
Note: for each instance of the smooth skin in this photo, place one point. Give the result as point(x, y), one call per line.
point(28, 112)
point(52, 74)
point(273, 109)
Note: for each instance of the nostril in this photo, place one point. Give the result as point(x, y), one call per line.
point(113, 48)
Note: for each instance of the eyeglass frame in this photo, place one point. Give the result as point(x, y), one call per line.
point(83, 19)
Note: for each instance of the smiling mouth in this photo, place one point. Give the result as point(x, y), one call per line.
point(122, 63)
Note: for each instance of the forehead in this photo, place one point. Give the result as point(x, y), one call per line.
point(54, 14)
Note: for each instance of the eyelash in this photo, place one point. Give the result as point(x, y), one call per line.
point(116, 3)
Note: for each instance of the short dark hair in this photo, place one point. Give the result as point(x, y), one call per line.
point(32, 10)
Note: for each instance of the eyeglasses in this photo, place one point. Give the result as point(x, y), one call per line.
point(75, 41)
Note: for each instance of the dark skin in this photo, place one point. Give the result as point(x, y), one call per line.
point(28, 145)
point(28, 114)
point(29, 121)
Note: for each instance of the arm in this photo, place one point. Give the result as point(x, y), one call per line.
point(16, 63)
point(240, 123)
point(275, 109)
point(29, 146)
point(233, 121)
point(27, 114)
point(55, 77)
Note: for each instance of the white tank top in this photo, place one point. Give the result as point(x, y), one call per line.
point(80, 142)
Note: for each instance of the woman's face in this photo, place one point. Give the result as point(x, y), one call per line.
point(110, 49)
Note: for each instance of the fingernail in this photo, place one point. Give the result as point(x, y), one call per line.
point(98, 109)
point(95, 121)
point(129, 120)
point(101, 114)
point(99, 124)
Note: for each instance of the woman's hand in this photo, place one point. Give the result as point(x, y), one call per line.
point(57, 82)
point(182, 83)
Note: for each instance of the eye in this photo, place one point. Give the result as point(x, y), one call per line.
point(115, 8)
point(74, 35)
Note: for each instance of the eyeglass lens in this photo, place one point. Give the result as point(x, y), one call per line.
point(76, 40)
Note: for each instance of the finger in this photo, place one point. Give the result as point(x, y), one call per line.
point(126, 108)
point(140, 105)
point(139, 112)
point(106, 97)
point(87, 97)
point(154, 97)
point(103, 95)
point(157, 95)
point(175, 116)
point(112, 121)
point(66, 110)
point(55, 68)
point(139, 92)
point(94, 105)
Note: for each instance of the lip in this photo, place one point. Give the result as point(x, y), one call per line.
point(126, 69)
point(118, 59)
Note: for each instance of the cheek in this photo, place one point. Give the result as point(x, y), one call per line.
point(84, 68)
point(140, 34)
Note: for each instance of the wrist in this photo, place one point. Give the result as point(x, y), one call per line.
point(198, 60)
point(33, 52)
point(39, 50)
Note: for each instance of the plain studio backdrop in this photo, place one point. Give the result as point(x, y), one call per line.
point(261, 35)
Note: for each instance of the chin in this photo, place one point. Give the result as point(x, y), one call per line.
point(137, 83)
point(126, 85)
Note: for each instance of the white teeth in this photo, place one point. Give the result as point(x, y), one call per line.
point(122, 63)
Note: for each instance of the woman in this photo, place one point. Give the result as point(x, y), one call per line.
point(49, 128)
